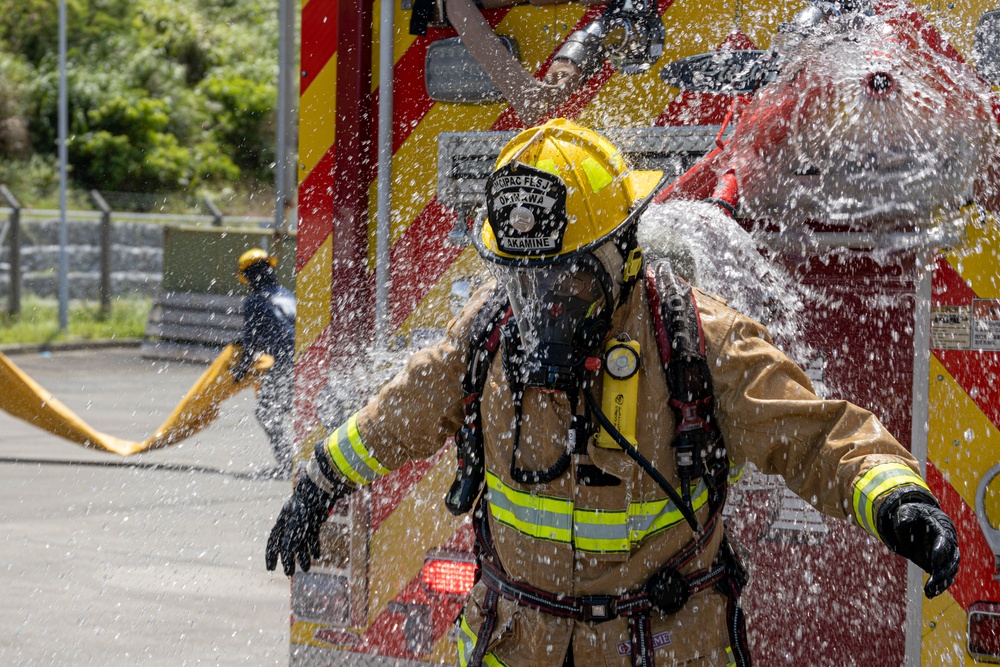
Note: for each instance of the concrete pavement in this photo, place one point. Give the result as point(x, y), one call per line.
point(156, 559)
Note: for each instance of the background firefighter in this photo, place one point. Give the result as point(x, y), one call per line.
point(608, 548)
point(269, 328)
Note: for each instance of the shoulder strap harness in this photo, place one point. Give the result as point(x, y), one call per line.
point(699, 453)
point(484, 339)
point(698, 446)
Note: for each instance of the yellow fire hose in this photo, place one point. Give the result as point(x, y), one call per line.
point(25, 399)
point(200, 406)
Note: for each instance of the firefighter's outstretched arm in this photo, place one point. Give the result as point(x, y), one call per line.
point(835, 455)
point(411, 417)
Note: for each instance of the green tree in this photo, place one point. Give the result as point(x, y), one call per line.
point(15, 74)
point(128, 148)
point(244, 120)
point(31, 27)
point(178, 31)
point(164, 95)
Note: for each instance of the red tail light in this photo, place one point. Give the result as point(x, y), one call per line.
point(449, 575)
point(984, 631)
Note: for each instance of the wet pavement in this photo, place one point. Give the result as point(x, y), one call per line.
point(155, 559)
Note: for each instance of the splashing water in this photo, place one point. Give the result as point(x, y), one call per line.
point(711, 251)
point(865, 126)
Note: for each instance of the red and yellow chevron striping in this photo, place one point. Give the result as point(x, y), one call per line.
point(338, 105)
point(963, 428)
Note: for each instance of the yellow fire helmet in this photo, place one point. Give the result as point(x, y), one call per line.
point(251, 257)
point(559, 190)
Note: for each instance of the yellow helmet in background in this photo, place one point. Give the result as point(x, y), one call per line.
point(251, 257)
point(558, 190)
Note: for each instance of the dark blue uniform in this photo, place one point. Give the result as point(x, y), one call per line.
point(269, 324)
point(269, 328)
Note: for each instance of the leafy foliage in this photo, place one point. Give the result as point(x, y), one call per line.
point(164, 95)
point(14, 78)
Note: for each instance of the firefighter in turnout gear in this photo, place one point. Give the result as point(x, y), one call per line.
point(598, 524)
point(269, 328)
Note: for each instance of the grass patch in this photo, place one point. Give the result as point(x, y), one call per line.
point(38, 322)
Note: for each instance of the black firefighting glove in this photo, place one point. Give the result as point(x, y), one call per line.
point(913, 526)
point(296, 532)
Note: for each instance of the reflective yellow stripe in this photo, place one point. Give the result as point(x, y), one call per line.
point(875, 483)
point(466, 645)
point(590, 530)
point(653, 517)
point(735, 473)
point(491, 660)
point(597, 175)
point(350, 455)
point(731, 661)
point(541, 517)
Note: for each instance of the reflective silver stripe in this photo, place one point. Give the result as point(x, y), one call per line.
point(651, 517)
point(600, 531)
point(541, 517)
point(735, 473)
point(351, 456)
point(590, 530)
point(466, 642)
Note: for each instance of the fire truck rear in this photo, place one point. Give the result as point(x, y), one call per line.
point(396, 137)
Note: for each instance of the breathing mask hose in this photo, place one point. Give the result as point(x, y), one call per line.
point(602, 419)
point(521, 475)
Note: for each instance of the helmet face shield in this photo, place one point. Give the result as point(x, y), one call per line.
point(559, 309)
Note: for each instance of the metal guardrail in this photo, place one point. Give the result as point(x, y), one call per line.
point(13, 230)
point(13, 217)
point(42, 214)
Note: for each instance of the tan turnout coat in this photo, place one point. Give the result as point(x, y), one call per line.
point(767, 412)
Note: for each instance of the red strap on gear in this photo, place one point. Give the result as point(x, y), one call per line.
point(692, 420)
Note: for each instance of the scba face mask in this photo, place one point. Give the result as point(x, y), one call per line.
point(562, 311)
point(561, 207)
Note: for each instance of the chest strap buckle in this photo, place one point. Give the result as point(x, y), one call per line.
point(597, 608)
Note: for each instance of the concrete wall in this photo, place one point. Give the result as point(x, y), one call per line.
point(136, 259)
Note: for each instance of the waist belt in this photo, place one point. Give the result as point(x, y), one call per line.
point(597, 608)
point(667, 591)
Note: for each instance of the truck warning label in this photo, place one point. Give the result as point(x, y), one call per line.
point(951, 327)
point(972, 327)
point(986, 324)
